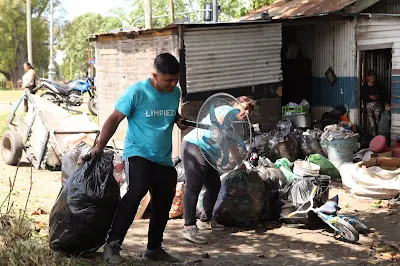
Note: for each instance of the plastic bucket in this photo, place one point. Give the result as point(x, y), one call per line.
point(304, 168)
point(341, 151)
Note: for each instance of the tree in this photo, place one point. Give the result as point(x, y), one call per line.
point(13, 47)
point(75, 40)
point(255, 4)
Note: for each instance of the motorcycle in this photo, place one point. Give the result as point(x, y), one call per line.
point(70, 94)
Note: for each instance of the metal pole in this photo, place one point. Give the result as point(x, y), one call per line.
point(52, 68)
point(148, 21)
point(172, 12)
point(29, 29)
point(215, 10)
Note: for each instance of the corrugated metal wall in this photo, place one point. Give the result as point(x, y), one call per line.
point(385, 7)
point(232, 56)
point(384, 32)
point(331, 44)
point(121, 63)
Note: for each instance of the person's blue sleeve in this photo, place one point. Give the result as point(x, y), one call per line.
point(127, 102)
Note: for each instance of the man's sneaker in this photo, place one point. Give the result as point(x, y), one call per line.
point(211, 225)
point(159, 255)
point(111, 253)
point(193, 234)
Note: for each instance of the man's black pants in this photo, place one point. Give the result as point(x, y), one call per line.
point(145, 175)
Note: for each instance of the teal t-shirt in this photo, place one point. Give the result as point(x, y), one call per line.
point(196, 135)
point(151, 116)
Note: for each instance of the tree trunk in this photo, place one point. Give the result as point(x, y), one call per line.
point(6, 74)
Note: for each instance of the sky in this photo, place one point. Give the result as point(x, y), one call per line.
point(75, 8)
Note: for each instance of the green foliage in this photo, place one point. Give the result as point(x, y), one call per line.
point(230, 9)
point(13, 47)
point(255, 4)
point(75, 40)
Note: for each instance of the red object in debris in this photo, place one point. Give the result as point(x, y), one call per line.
point(378, 145)
point(396, 152)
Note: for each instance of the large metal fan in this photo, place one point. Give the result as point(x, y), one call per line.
point(223, 131)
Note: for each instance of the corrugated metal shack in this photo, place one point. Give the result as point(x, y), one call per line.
point(348, 36)
point(240, 58)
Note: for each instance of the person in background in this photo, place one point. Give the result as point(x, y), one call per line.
point(199, 172)
point(28, 81)
point(151, 107)
point(372, 94)
point(385, 123)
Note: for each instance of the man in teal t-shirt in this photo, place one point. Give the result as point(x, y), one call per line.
point(151, 109)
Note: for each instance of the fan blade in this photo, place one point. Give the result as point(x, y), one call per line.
point(229, 117)
point(225, 159)
point(240, 140)
point(213, 118)
point(211, 151)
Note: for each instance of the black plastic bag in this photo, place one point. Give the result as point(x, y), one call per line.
point(289, 147)
point(284, 127)
point(274, 181)
point(178, 164)
point(85, 207)
point(241, 199)
point(72, 160)
point(266, 147)
point(309, 145)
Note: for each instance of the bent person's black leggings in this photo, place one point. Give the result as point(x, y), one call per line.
point(198, 173)
point(145, 175)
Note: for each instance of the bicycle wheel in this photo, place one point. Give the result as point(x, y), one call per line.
point(346, 230)
point(356, 223)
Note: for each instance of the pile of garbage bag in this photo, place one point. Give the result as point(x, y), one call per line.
point(241, 199)
point(85, 207)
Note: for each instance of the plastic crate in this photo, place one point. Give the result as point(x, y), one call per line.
point(294, 110)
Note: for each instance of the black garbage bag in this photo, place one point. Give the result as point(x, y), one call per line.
point(178, 164)
point(288, 146)
point(241, 199)
point(72, 160)
point(309, 145)
point(266, 147)
point(85, 207)
point(284, 127)
point(274, 181)
point(315, 133)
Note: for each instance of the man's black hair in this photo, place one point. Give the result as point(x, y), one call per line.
point(167, 64)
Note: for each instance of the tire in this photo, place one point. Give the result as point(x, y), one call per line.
point(11, 147)
point(346, 230)
point(355, 222)
point(51, 97)
point(92, 105)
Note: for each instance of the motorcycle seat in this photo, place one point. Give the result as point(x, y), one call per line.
point(330, 207)
point(63, 88)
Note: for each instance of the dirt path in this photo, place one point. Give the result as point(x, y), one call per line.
point(279, 246)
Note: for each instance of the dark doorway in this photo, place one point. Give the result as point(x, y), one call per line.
point(381, 62)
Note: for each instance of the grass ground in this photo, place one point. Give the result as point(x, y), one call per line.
point(10, 96)
point(3, 122)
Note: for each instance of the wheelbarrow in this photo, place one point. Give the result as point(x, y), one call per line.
point(45, 133)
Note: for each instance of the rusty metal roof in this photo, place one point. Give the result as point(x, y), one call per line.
point(286, 9)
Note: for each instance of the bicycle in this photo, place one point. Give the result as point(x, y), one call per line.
point(347, 226)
